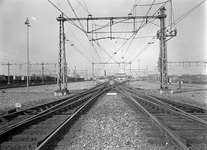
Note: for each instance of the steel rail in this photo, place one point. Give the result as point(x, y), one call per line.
point(19, 125)
point(148, 95)
point(49, 104)
point(174, 109)
point(45, 143)
point(181, 142)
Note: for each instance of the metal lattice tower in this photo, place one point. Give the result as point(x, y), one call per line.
point(161, 35)
point(62, 64)
point(163, 51)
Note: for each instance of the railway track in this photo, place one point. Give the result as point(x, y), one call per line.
point(168, 124)
point(14, 116)
point(44, 126)
point(197, 111)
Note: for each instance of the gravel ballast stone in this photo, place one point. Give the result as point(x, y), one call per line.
point(110, 124)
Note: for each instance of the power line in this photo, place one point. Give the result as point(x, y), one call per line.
point(18, 54)
point(94, 23)
point(186, 14)
point(82, 27)
point(70, 21)
point(78, 41)
point(73, 24)
point(81, 52)
point(142, 25)
point(148, 43)
point(86, 9)
point(11, 60)
point(153, 3)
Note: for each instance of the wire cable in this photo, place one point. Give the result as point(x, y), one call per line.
point(186, 14)
point(79, 41)
point(139, 28)
point(83, 28)
point(81, 52)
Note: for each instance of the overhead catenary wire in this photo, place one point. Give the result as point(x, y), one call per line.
point(94, 22)
point(92, 39)
point(80, 52)
point(12, 60)
point(117, 40)
point(88, 35)
point(153, 3)
point(132, 38)
point(177, 21)
point(34, 59)
point(187, 13)
point(70, 21)
point(139, 28)
point(98, 43)
point(85, 8)
point(147, 46)
point(79, 41)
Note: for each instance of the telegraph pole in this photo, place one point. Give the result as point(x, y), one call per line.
point(139, 68)
point(42, 73)
point(86, 75)
point(8, 73)
point(93, 70)
point(75, 74)
point(130, 72)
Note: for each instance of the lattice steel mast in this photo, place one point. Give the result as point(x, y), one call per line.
point(161, 35)
point(163, 51)
point(62, 64)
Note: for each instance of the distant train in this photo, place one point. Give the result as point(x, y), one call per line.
point(4, 79)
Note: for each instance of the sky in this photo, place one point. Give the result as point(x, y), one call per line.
point(141, 49)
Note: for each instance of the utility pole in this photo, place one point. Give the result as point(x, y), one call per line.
point(147, 71)
point(8, 73)
point(75, 74)
point(92, 69)
point(28, 25)
point(130, 72)
point(86, 75)
point(42, 73)
point(62, 70)
point(139, 68)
